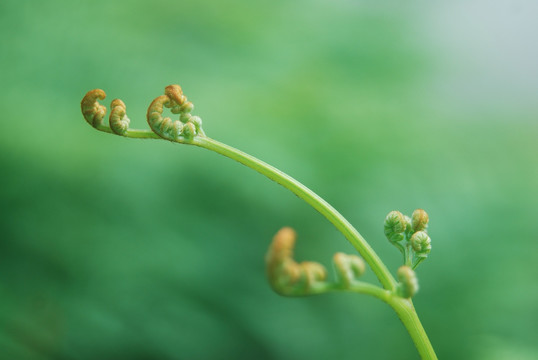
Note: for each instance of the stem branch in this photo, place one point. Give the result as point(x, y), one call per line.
point(132, 133)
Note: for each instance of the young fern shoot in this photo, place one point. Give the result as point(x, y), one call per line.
point(286, 276)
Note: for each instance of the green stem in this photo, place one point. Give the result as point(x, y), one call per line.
point(409, 317)
point(399, 247)
point(417, 262)
point(136, 134)
point(408, 257)
point(367, 289)
point(309, 197)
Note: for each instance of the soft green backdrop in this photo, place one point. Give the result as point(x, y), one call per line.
point(115, 248)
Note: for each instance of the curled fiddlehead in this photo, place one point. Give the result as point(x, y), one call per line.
point(185, 128)
point(421, 243)
point(182, 130)
point(94, 113)
point(395, 225)
point(290, 278)
point(91, 109)
point(286, 276)
point(119, 122)
point(419, 220)
point(348, 268)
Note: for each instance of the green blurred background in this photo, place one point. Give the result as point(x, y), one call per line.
point(116, 248)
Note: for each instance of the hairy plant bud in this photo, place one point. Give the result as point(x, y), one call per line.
point(421, 243)
point(419, 220)
point(395, 225)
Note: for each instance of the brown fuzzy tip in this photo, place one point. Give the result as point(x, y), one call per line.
point(283, 243)
point(175, 94)
point(117, 102)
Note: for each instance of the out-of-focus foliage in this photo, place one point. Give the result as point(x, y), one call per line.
point(114, 248)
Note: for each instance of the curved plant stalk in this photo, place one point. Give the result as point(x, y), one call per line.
point(286, 276)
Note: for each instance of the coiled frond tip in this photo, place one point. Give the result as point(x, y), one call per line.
point(286, 276)
point(419, 220)
point(395, 226)
point(348, 267)
point(187, 127)
point(119, 122)
point(93, 112)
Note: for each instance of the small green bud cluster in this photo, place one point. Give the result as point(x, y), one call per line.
point(409, 235)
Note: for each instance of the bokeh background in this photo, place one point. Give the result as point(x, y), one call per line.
point(117, 248)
